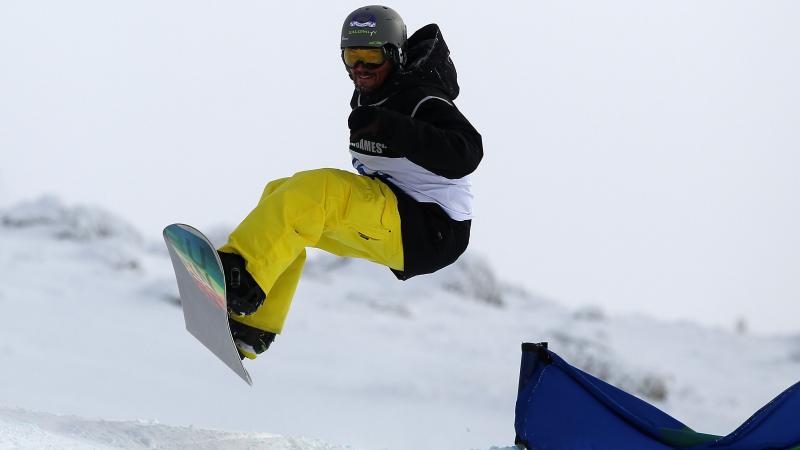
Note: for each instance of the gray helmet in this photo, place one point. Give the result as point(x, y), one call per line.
point(375, 26)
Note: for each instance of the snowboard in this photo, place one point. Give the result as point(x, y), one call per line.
point(201, 285)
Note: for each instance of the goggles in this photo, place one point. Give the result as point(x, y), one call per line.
point(372, 58)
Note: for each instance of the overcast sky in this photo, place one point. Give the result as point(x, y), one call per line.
point(639, 155)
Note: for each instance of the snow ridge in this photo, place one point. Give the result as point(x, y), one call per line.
point(91, 327)
point(79, 223)
point(26, 430)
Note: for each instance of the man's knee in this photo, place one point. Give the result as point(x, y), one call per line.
point(318, 179)
point(300, 180)
point(311, 183)
point(273, 186)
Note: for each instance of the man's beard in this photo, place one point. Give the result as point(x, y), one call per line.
point(364, 89)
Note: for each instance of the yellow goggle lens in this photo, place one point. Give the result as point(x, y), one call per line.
point(368, 56)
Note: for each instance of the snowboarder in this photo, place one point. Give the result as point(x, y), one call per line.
point(409, 207)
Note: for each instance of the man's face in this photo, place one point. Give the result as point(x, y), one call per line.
point(370, 80)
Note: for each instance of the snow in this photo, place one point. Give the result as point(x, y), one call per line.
point(25, 430)
point(94, 353)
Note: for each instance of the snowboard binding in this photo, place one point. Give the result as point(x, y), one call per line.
point(243, 294)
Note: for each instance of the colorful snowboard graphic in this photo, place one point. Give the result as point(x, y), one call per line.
point(201, 284)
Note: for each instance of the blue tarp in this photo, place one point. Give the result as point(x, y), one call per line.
point(560, 407)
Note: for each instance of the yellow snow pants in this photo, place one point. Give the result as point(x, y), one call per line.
point(337, 211)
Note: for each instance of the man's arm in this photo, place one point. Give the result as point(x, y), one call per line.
point(438, 137)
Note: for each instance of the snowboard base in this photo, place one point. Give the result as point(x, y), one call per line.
point(201, 284)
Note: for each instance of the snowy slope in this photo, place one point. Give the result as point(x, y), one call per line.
point(27, 430)
point(94, 354)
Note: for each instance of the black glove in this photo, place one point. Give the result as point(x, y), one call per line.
point(250, 341)
point(364, 122)
point(373, 125)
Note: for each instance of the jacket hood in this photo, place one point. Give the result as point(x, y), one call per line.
point(428, 63)
point(428, 60)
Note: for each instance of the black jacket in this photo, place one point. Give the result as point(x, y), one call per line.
point(412, 116)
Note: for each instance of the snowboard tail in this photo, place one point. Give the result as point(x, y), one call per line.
point(201, 285)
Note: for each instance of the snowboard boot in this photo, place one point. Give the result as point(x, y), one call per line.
point(244, 295)
point(250, 341)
